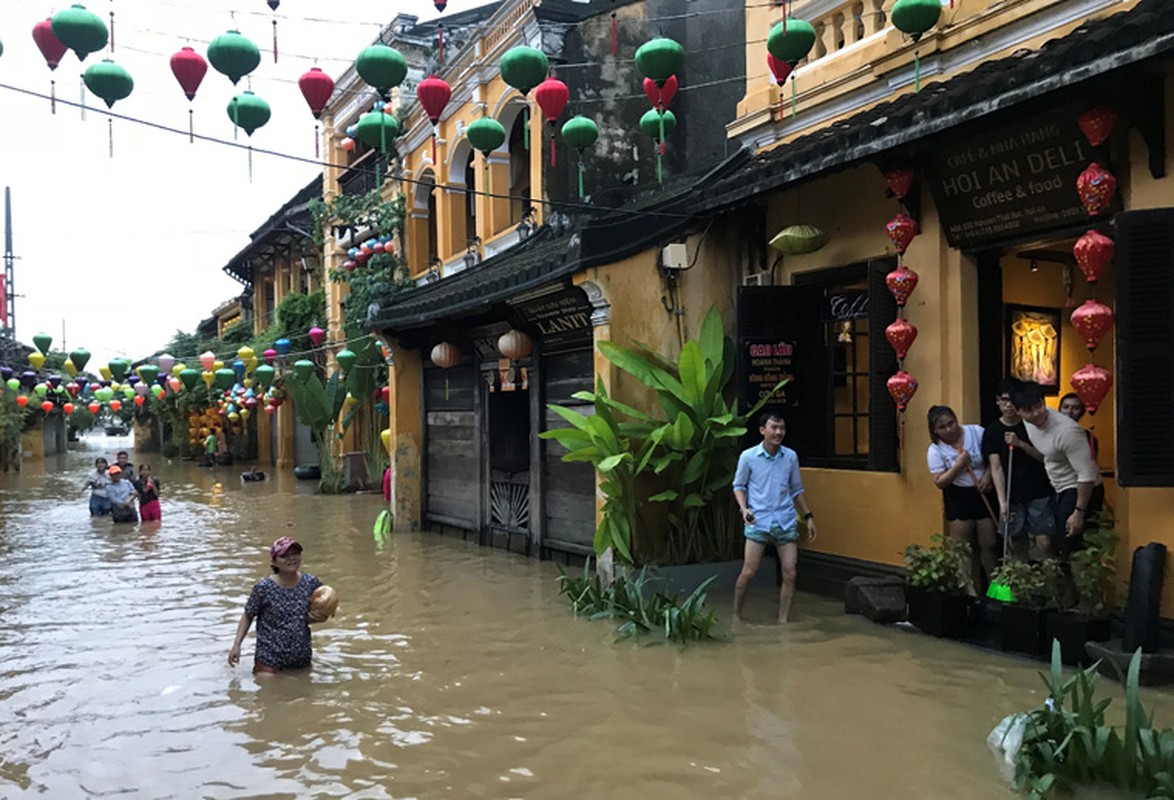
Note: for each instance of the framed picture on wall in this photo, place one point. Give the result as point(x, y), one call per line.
point(1033, 345)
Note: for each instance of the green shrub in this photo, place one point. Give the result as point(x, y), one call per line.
point(943, 567)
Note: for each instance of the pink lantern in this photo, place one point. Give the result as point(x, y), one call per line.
point(1092, 321)
point(270, 355)
point(900, 181)
point(1092, 383)
point(317, 336)
point(1093, 252)
point(901, 282)
point(175, 383)
point(901, 335)
point(1096, 187)
point(1098, 123)
point(902, 387)
point(901, 229)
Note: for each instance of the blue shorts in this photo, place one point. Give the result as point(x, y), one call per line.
point(1034, 518)
point(99, 506)
point(777, 536)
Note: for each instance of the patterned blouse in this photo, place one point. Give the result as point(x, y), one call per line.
point(283, 633)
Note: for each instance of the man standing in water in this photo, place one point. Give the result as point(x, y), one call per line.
point(768, 489)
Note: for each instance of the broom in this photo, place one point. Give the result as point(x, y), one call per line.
point(1001, 591)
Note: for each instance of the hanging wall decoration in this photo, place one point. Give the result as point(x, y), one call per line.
point(901, 229)
point(914, 18)
point(580, 133)
point(233, 55)
point(53, 51)
point(317, 87)
point(433, 93)
point(901, 282)
point(788, 43)
point(189, 68)
point(523, 68)
point(382, 68)
point(81, 30)
point(1092, 384)
point(552, 96)
point(1092, 321)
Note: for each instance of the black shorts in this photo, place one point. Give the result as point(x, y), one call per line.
point(964, 503)
point(1065, 505)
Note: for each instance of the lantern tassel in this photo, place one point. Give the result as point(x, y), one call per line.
point(446, 384)
point(82, 106)
point(275, 40)
point(250, 163)
point(660, 119)
point(191, 127)
point(317, 149)
point(111, 31)
point(434, 145)
point(580, 176)
point(916, 71)
point(526, 124)
point(440, 42)
point(552, 148)
point(110, 134)
point(613, 33)
point(53, 96)
point(901, 430)
point(659, 170)
point(794, 104)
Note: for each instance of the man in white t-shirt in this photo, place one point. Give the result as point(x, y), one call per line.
point(1071, 470)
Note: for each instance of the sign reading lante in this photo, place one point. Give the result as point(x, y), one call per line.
point(561, 317)
point(1013, 180)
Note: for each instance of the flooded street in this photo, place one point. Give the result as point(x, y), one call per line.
point(451, 671)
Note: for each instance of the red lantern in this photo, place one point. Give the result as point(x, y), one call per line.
point(115, 406)
point(440, 5)
point(445, 355)
point(316, 87)
point(73, 388)
point(347, 144)
point(349, 265)
point(21, 400)
point(361, 257)
point(1091, 383)
point(552, 96)
point(385, 393)
point(94, 407)
point(901, 282)
point(433, 94)
point(47, 406)
point(49, 45)
point(1092, 321)
point(189, 68)
point(1098, 123)
point(781, 70)
point(515, 345)
point(67, 408)
point(902, 387)
point(1093, 252)
point(901, 335)
point(901, 229)
point(660, 96)
point(900, 181)
point(1096, 186)
point(139, 400)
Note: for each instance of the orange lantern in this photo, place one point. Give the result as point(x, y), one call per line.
point(515, 345)
point(47, 406)
point(67, 408)
point(94, 407)
point(115, 406)
point(22, 400)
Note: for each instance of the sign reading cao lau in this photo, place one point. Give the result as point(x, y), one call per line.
point(767, 361)
point(1015, 179)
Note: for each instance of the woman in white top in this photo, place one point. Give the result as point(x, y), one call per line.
point(96, 481)
point(955, 462)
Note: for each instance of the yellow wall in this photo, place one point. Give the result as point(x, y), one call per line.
point(405, 422)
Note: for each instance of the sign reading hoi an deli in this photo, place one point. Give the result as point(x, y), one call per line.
point(1011, 180)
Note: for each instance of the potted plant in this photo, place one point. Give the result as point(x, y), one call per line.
point(936, 586)
point(1089, 618)
point(1034, 588)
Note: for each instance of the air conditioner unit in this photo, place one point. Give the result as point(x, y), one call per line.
point(756, 279)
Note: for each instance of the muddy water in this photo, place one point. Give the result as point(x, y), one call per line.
point(452, 671)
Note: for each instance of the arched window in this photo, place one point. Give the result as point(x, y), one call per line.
point(519, 170)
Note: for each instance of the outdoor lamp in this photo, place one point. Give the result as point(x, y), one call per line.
point(473, 252)
point(434, 266)
point(527, 226)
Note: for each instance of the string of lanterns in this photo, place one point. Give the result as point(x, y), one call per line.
point(901, 282)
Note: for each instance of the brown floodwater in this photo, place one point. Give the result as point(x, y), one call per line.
point(450, 671)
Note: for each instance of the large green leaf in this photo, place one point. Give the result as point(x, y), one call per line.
point(629, 361)
point(611, 462)
point(573, 417)
point(693, 377)
point(712, 338)
point(667, 495)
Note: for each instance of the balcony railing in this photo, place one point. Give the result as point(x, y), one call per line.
point(845, 24)
point(365, 176)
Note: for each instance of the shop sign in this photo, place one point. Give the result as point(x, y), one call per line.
point(559, 318)
point(1010, 181)
point(845, 305)
point(767, 361)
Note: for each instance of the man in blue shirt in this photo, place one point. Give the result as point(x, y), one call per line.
point(767, 488)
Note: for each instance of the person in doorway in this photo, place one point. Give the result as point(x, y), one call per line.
point(768, 490)
point(1075, 478)
point(1021, 483)
point(148, 487)
point(97, 480)
point(124, 464)
point(955, 462)
point(1072, 406)
point(122, 497)
point(281, 605)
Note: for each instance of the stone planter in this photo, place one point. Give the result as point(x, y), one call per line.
point(1021, 630)
point(942, 615)
point(1073, 631)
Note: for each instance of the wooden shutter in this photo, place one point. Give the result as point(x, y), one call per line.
point(1144, 266)
point(451, 445)
point(882, 363)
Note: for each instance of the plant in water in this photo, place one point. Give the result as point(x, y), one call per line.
point(1094, 566)
point(942, 567)
point(1035, 585)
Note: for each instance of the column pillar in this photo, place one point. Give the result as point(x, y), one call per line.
point(406, 426)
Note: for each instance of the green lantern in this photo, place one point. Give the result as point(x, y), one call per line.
point(791, 40)
point(42, 341)
point(659, 58)
point(149, 373)
point(128, 393)
point(378, 129)
point(80, 358)
point(105, 394)
point(303, 369)
point(580, 133)
point(248, 111)
point(81, 30)
point(524, 68)
point(109, 81)
point(41, 389)
point(118, 368)
point(485, 134)
point(264, 375)
point(346, 359)
point(190, 378)
point(657, 125)
point(233, 55)
point(915, 17)
point(225, 378)
point(382, 68)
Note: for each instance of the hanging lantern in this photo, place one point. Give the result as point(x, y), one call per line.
point(382, 68)
point(515, 345)
point(1093, 252)
point(50, 46)
point(660, 95)
point(796, 240)
point(80, 357)
point(348, 144)
point(440, 5)
point(37, 360)
point(94, 407)
point(902, 387)
point(81, 30)
point(43, 341)
point(1096, 186)
point(780, 69)
point(118, 368)
point(901, 229)
point(552, 96)
point(264, 375)
point(224, 378)
point(189, 378)
point(115, 406)
point(166, 362)
point(900, 181)
point(1091, 384)
point(346, 359)
point(901, 335)
point(248, 111)
point(109, 81)
point(47, 406)
point(149, 372)
point(1092, 321)
point(67, 408)
point(283, 346)
point(580, 133)
point(189, 68)
point(433, 94)
point(485, 134)
point(303, 369)
point(915, 17)
point(22, 400)
point(378, 129)
point(901, 282)
point(445, 355)
point(139, 400)
point(791, 40)
point(1097, 124)
point(317, 87)
point(659, 59)
point(317, 336)
point(233, 55)
point(658, 125)
point(524, 68)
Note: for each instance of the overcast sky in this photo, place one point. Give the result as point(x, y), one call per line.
point(128, 249)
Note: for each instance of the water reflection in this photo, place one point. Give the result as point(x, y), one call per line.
point(451, 671)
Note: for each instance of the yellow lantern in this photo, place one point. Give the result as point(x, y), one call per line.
point(385, 437)
point(515, 345)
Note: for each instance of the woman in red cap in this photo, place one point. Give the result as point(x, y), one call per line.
point(281, 605)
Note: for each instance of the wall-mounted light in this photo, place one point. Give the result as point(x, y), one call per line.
point(528, 225)
point(1034, 265)
point(434, 266)
point(472, 252)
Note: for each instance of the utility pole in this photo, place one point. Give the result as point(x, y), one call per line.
point(7, 291)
